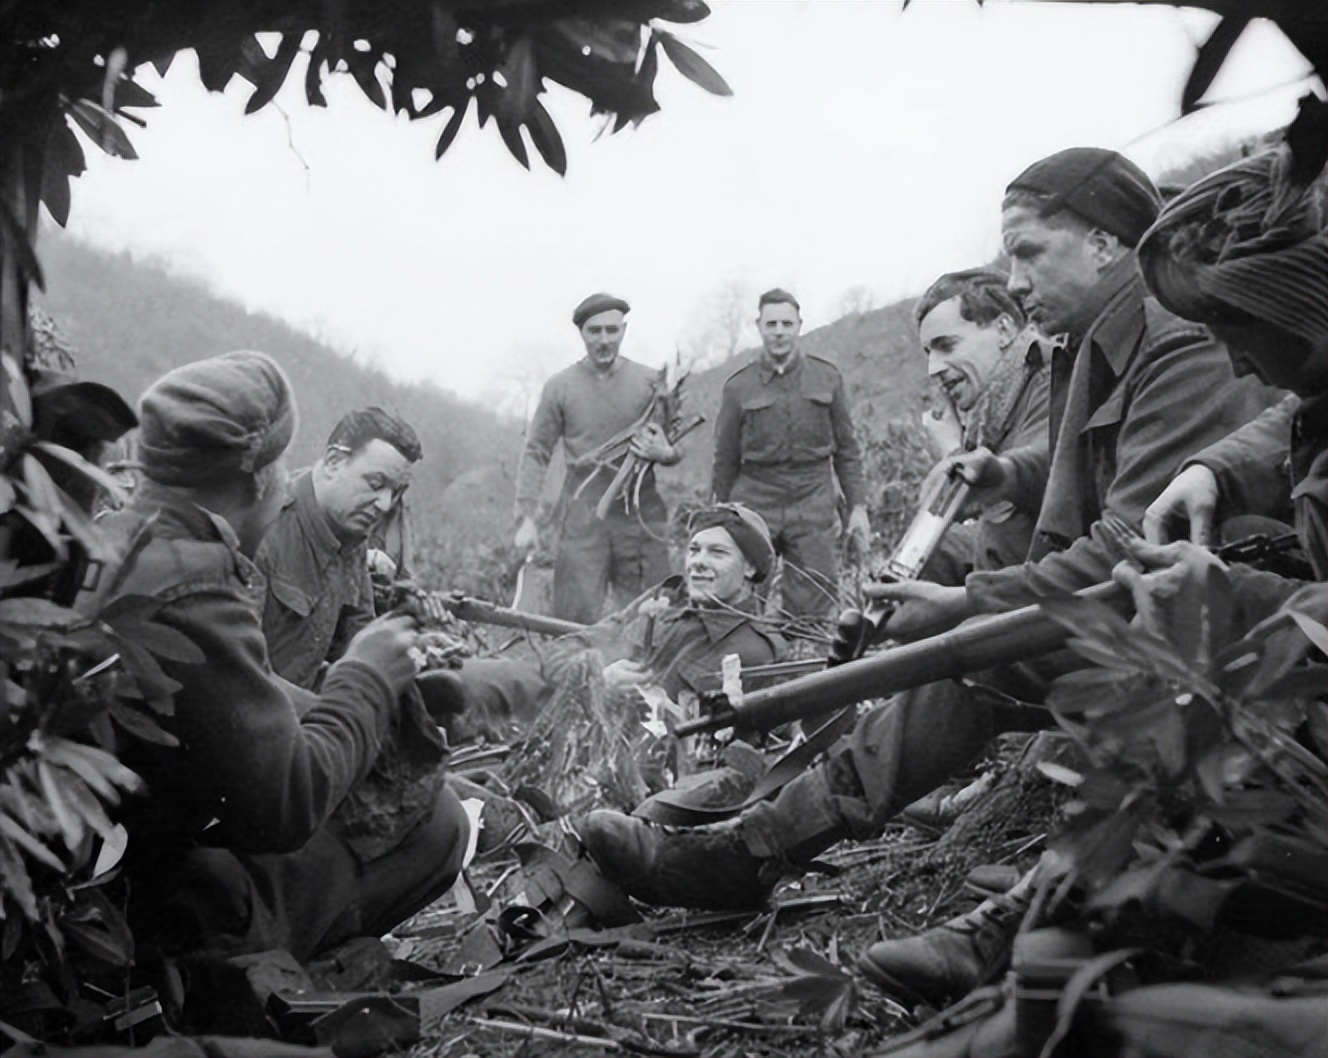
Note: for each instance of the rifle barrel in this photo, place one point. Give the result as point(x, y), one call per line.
point(972, 647)
point(488, 613)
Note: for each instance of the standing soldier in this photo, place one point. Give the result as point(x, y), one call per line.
point(598, 398)
point(782, 437)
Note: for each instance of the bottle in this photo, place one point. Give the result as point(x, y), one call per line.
point(924, 533)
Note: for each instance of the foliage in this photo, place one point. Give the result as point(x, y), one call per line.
point(1193, 728)
point(71, 683)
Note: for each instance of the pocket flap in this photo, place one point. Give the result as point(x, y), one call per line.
point(290, 596)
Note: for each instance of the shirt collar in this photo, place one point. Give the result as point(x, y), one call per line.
point(1120, 323)
point(769, 370)
point(720, 621)
point(313, 521)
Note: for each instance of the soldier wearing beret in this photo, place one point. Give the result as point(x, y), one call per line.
point(583, 406)
point(236, 848)
point(782, 437)
point(1134, 392)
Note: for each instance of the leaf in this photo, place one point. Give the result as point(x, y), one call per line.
point(102, 128)
point(614, 40)
point(88, 807)
point(99, 769)
point(12, 575)
point(544, 134)
point(161, 640)
point(157, 688)
point(691, 65)
point(82, 466)
point(273, 74)
point(1212, 54)
point(15, 880)
point(39, 612)
point(63, 160)
point(97, 925)
point(29, 844)
point(364, 68)
point(1059, 773)
point(511, 135)
point(55, 790)
point(522, 81)
point(1315, 632)
point(140, 726)
point(452, 127)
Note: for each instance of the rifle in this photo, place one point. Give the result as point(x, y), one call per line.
point(482, 612)
point(1002, 639)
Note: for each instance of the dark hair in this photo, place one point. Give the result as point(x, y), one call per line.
point(983, 294)
point(358, 428)
point(777, 296)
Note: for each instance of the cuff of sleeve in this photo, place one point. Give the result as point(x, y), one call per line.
point(364, 678)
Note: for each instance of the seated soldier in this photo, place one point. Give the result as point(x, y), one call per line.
point(673, 637)
point(993, 370)
point(232, 850)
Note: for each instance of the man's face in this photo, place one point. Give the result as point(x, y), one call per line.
point(1274, 356)
point(962, 354)
point(603, 335)
point(357, 489)
point(717, 571)
point(779, 324)
point(1053, 270)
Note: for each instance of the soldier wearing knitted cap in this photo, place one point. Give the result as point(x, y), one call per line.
point(602, 396)
point(235, 848)
point(1245, 251)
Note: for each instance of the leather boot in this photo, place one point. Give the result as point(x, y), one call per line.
point(953, 958)
point(709, 868)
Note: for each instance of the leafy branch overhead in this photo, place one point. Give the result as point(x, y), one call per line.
point(420, 58)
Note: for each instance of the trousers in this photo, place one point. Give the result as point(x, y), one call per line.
point(625, 551)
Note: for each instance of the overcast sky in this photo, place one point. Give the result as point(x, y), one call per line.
point(863, 150)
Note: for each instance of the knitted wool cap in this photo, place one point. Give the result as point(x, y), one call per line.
point(1105, 188)
point(747, 528)
point(1245, 241)
point(212, 419)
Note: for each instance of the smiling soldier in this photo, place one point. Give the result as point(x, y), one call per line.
point(993, 370)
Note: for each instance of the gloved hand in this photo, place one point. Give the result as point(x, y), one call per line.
point(386, 646)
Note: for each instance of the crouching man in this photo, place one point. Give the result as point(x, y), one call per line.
point(232, 850)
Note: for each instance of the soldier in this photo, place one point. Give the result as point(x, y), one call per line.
point(782, 437)
point(233, 849)
point(1133, 394)
point(993, 370)
point(584, 406)
point(314, 556)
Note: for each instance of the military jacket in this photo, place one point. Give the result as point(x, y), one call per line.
point(788, 429)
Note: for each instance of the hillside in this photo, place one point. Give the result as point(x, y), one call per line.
point(128, 322)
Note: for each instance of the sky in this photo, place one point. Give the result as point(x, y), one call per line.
point(864, 152)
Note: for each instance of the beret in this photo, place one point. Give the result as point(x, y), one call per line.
point(597, 303)
point(747, 528)
point(213, 419)
point(77, 414)
point(1105, 188)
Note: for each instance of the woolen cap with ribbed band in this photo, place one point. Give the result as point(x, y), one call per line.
point(1245, 241)
point(1103, 187)
point(210, 420)
point(597, 303)
point(747, 528)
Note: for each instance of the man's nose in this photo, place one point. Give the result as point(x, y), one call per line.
point(1018, 283)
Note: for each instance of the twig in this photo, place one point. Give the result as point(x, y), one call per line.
point(534, 1032)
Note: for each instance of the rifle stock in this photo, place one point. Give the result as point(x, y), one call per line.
point(980, 644)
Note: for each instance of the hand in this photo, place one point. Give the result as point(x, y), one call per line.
point(982, 469)
point(922, 609)
point(527, 535)
point(381, 564)
point(650, 443)
point(1190, 498)
point(433, 608)
point(624, 675)
point(859, 532)
point(386, 646)
point(1173, 589)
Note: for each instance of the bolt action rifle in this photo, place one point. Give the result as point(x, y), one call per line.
point(977, 645)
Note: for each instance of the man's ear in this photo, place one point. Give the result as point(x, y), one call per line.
point(748, 572)
point(1007, 329)
point(1106, 248)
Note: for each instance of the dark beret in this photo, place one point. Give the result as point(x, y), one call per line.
point(77, 414)
point(1105, 188)
point(213, 419)
point(597, 303)
point(747, 528)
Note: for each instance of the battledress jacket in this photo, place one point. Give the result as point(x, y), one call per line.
point(787, 430)
point(261, 764)
point(1145, 391)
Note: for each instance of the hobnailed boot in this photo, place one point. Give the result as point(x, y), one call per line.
point(729, 866)
point(953, 958)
